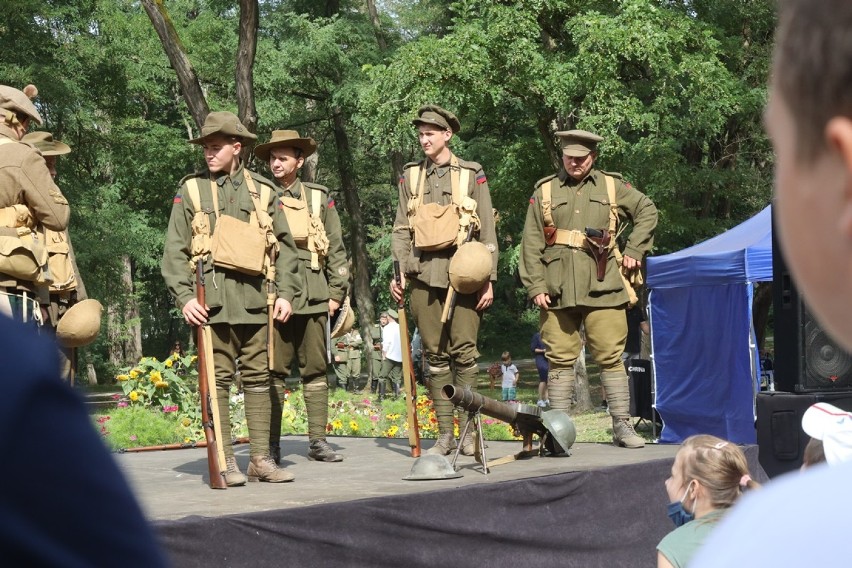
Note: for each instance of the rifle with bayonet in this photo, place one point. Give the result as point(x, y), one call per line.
point(207, 391)
point(408, 376)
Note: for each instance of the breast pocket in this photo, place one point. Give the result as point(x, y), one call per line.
point(598, 212)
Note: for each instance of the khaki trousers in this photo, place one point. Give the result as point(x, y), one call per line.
point(606, 333)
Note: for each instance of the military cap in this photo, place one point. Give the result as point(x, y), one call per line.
point(225, 123)
point(285, 139)
point(436, 116)
point(45, 143)
point(19, 101)
point(578, 143)
point(393, 313)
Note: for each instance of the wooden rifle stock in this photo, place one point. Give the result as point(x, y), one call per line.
point(271, 296)
point(215, 454)
point(408, 376)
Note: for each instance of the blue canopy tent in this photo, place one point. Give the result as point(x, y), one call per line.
point(704, 354)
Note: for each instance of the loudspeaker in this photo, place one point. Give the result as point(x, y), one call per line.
point(780, 439)
point(806, 358)
point(640, 384)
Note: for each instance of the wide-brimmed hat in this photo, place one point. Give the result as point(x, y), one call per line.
point(285, 139)
point(225, 123)
point(45, 143)
point(826, 422)
point(437, 116)
point(19, 101)
point(578, 143)
point(342, 320)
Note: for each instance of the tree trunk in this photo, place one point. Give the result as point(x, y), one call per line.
point(581, 382)
point(377, 25)
point(124, 324)
point(357, 239)
point(249, 21)
point(188, 80)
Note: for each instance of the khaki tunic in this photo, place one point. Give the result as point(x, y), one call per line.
point(25, 179)
point(568, 274)
point(233, 297)
point(432, 267)
point(331, 281)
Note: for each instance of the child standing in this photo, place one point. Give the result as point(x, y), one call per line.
point(510, 377)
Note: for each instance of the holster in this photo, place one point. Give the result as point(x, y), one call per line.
point(549, 235)
point(599, 247)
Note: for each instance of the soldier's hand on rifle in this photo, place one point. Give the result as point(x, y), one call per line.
point(194, 313)
point(486, 297)
point(630, 263)
point(542, 300)
point(333, 306)
point(282, 311)
point(397, 290)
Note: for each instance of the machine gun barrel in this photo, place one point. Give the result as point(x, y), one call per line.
point(475, 402)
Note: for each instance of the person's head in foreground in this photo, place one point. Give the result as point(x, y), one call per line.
point(809, 119)
point(832, 428)
point(708, 476)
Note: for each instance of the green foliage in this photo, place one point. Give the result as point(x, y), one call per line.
point(161, 384)
point(138, 426)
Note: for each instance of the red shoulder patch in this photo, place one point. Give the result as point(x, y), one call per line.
point(532, 200)
point(627, 183)
point(330, 203)
point(401, 179)
point(178, 198)
point(481, 179)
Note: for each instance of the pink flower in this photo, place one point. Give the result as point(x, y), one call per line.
point(133, 437)
point(374, 418)
point(116, 396)
point(170, 408)
point(122, 404)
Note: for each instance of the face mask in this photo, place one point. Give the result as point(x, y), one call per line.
point(677, 513)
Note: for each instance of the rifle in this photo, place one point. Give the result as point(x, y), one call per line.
point(271, 295)
point(450, 302)
point(407, 372)
point(206, 378)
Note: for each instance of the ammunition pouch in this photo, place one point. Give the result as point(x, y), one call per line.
point(599, 247)
point(24, 257)
point(18, 215)
point(239, 246)
point(435, 226)
point(298, 218)
point(59, 261)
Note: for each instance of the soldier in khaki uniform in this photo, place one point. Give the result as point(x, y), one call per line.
point(324, 279)
point(67, 287)
point(562, 277)
point(354, 342)
point(376, 353)
point(442, 179)
point(236, 307)
point(30, 203)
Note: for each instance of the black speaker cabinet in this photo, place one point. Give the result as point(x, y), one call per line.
point(780, 438)
point(806, 358)
point(640, 383)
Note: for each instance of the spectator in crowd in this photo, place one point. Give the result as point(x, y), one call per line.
point(510, 377)
point(539, 349)
point(708, 475)
point(830, 429)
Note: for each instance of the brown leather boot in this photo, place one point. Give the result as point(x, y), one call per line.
point(321, 451)
point(262, 468)
point(624, 435)
point(445, 444)
point(468, 443)
point(233, 476)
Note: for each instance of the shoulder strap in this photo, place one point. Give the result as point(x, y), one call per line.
point(417, 175)
point(546, 199)
point(195, 195)
point(459, 180)
point(613, 205)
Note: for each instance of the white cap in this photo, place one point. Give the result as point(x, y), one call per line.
point(833, 426)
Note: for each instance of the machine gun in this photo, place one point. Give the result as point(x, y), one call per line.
point(554, 428)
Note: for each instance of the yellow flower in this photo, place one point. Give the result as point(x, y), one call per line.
point(186, 422)
point(169, 362)
point(175, 356)
point(353, 425)
point(155, 376)
point(161, 384)
point(337, 424)
point(194, 359)
point(134, 373)
point(393, 430)
point(134, 396)
point(122, 377)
